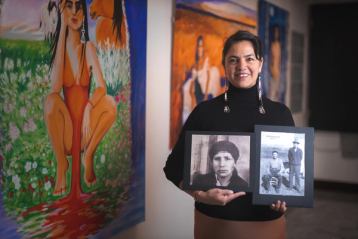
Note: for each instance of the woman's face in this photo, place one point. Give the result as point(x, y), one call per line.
point(73, 13)
point(241, 66)
point(200, 48)
point(223, 164)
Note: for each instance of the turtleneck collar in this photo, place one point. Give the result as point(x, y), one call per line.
point(244, 96)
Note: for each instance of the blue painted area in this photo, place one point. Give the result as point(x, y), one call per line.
point(8, 227)
point(270, 16)
point(134, 210)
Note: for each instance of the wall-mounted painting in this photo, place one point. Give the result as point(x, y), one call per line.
point(273, 30)
point(72, 81)
point(200, 29)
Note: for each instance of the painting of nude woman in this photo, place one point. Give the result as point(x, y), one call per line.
point(72, 112)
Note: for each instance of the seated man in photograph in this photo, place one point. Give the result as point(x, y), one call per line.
point(223, 156)
point(274, 177)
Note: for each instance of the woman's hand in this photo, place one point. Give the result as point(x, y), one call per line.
point(62, 6)
point(279, 206)
point(216, 196)
point(86, 129)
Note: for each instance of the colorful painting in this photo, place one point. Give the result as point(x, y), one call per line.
point(72, 110)
point(200, 29)
point(273, 29)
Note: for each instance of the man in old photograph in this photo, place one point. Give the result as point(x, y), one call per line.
point(294, 162)
point(273, 178)
point(223, 156)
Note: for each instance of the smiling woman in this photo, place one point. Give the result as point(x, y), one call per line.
point(223, 213)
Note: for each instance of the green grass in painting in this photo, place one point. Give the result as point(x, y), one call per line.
point(29, 165)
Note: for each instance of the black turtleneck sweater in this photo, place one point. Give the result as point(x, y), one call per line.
point(244, 114)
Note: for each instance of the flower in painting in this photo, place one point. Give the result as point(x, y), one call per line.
point(103, 158)
point(33, 185)
point(28, 166)
point(23, 112)
point(14, 132)
point(47, 185)
point(16, 181)
point(30, 126)
point(34, 165)
point(44, 171)
point(8, 147)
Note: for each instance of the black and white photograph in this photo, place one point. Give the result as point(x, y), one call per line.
point(218, 160)
point(284, 164)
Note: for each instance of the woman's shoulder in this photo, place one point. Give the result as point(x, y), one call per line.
point(279, 110)
point(206, 108)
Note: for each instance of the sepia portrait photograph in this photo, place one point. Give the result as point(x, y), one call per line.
point(218, 160)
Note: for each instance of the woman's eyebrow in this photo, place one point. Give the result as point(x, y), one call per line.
point(248, 55)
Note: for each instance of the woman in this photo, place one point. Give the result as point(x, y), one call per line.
point(223, 156)
point(79, 121)
point(222, 213)
point(203, 83)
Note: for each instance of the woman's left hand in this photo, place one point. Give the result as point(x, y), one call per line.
point(279, 206)
point(86, 129)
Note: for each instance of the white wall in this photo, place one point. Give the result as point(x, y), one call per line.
point(169, 212)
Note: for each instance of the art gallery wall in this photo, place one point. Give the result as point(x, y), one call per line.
point(169, 211)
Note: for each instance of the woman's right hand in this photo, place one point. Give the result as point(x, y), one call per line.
point(216, 196)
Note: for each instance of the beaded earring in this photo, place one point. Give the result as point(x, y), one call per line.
point(259, 89)
point(83, 32)
point(226, 107)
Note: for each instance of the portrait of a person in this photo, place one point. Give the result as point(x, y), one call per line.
point(294, 161)
point(203, 82)
point(273, 178)
point(223, 156)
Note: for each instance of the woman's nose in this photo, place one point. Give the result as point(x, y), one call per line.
point(241, 64)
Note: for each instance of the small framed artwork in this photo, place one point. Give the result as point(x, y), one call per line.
point(218, 160)
point(284, 165)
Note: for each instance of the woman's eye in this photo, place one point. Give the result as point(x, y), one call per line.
point(78, 6)
point(233, 61)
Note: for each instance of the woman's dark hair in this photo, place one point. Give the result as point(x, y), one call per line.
point(58, 28)
point(242, 36)
point(117, 18)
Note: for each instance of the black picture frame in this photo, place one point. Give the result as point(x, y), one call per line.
point(199, 171)
point(273, 182)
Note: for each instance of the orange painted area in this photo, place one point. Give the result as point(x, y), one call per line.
point(188, 26)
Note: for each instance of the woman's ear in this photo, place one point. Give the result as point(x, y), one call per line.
point(261, 64)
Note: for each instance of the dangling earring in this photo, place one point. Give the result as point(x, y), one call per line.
point(259, 89)
point(83, 31)
point(226, 107)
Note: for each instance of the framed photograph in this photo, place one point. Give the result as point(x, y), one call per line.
point(218, 160)
point(284, 165)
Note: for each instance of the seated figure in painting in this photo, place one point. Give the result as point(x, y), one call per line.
point(78, 120)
